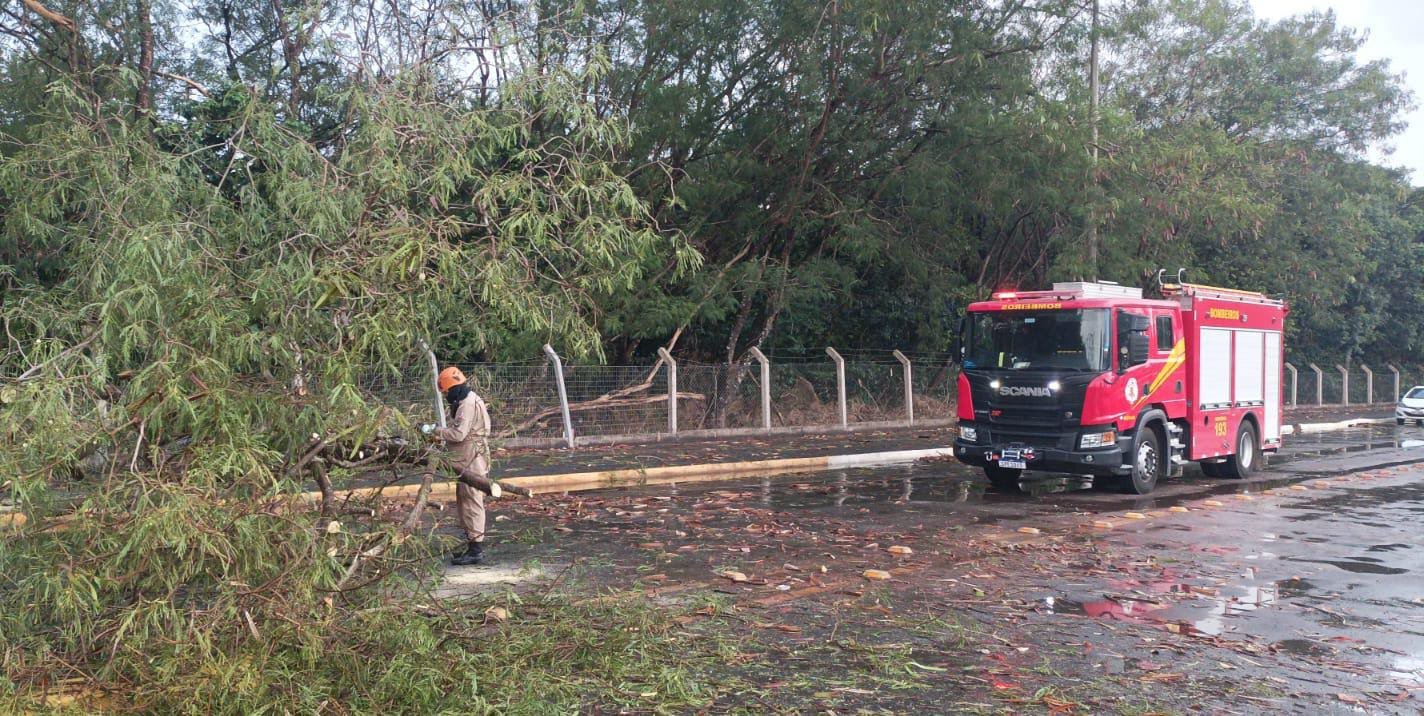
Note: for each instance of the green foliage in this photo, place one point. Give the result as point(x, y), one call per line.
point(221, 286)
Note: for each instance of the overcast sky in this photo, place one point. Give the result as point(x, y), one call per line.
point(1396, 33)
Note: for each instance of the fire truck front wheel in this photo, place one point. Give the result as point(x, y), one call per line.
point(1248, 454)
point(1146, 464)
point(1004, 479)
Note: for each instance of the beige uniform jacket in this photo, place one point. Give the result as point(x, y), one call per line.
point(468, 437)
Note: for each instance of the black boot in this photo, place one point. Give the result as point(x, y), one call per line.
point(474, 554)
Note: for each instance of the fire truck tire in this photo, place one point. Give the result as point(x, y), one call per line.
point(1247, 458)
point(1146, 464)
point(1004, 479)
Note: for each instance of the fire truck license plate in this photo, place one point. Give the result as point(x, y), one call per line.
point(1020, 464)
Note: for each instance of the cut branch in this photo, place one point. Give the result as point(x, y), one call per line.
point(52, 16)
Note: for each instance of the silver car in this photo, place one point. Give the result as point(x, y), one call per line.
point(1410, 407)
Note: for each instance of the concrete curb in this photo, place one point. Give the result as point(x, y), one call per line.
point(706, 472)
point(713, 433)
point(1311, 428)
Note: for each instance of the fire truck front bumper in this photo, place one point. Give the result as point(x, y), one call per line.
point(1103, 461)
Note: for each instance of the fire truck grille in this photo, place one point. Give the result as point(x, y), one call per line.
point(1034, 420)
point(1032, 438)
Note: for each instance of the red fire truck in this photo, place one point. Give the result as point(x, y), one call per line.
point(1094, 379)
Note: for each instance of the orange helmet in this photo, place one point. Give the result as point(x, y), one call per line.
point(449, 378)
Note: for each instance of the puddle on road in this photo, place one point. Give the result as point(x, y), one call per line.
point(1350, 440)
point(1408, 668)
point(955, 487)
point(1203, 610)
point(1359, 565)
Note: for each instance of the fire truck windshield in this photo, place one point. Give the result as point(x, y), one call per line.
point(1071, 340)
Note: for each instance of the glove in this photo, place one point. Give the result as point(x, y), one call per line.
point(427, 428)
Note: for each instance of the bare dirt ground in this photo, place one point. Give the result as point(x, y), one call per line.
point(1296, 592)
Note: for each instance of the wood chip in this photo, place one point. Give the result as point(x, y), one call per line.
point(734, 576)
point(875, 575)
point(1177, 508)
point(899, 549)
point(1134, 516)
point(1029, 530)
point(1212, 503)
point(1102, 524)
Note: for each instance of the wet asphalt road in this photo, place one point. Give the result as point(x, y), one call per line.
point(1300, 590)
point(1318, 560)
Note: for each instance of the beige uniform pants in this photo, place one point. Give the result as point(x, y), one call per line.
point(470, 504)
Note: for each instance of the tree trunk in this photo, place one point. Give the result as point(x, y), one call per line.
point(143, 101)
point(731, 380)
point(291, 52)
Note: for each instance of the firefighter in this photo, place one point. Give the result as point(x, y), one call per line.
point(467, 438)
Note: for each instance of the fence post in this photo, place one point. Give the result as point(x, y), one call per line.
point(1344, 384)
point(909, 387)
point(1369, 384)
point(840, 384)
point(1395, 371)
point(1319, 384)
point(765, 385)
point(563, 394)
point(435, 383)
point(1295, 381)
point(671, 364)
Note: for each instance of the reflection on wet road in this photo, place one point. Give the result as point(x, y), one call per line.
point(949, 486)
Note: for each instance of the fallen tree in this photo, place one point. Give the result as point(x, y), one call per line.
point(224, 284)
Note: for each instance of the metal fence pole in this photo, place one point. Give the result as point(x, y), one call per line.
point(1319, 384)
point(840, 384)
point(1295, 381)
point(1344, 384)
point(671, 364)
point(765, 385)
point(1369, 384)
point(435, 383)
point(563, 393)
point(1395, 371)
point(909, 387)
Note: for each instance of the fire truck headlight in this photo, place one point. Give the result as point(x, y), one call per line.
point(1054, 385)
point(1097, 440)
point(994, 384)
point(969, 433)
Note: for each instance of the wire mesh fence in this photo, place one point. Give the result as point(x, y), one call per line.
point(801, 391)
point(1355, 386)
point(629, 400)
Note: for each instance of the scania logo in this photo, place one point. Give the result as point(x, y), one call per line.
point(1025, 391)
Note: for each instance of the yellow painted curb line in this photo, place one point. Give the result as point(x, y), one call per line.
point(579, 481)
point(444, 489)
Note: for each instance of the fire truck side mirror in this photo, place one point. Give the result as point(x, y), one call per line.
point(1137, 348)
point(1131, 340)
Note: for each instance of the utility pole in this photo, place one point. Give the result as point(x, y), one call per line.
point(1093, 149)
